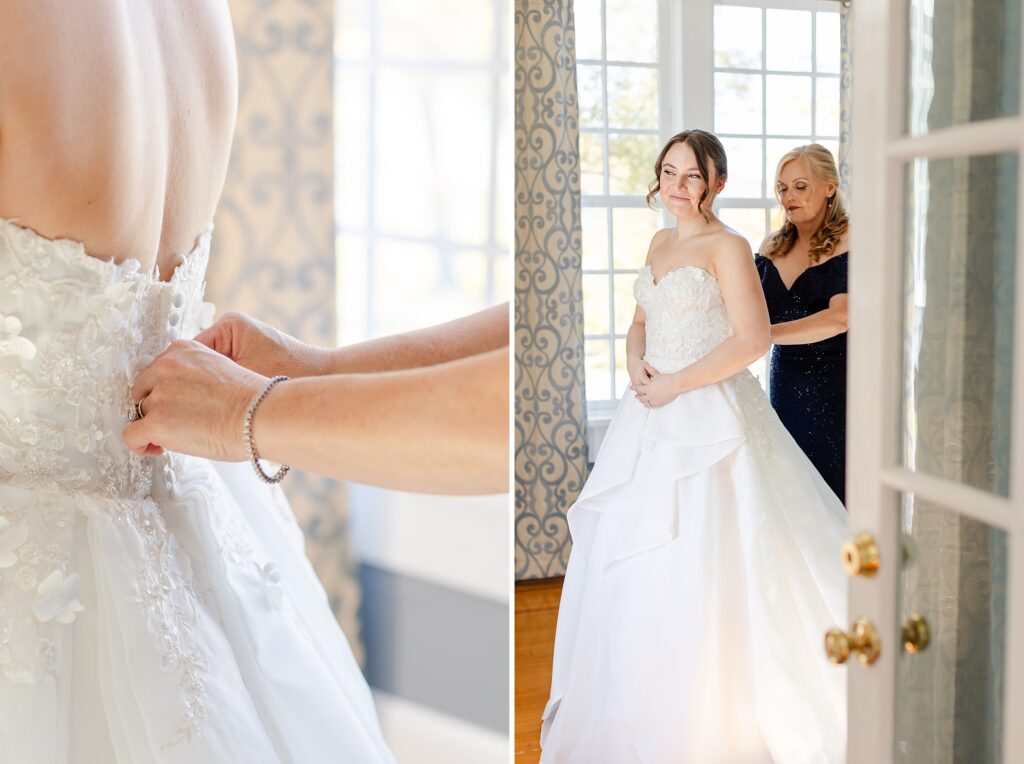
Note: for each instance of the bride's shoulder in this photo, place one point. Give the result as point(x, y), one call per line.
point(730, 243)
point(659, 238)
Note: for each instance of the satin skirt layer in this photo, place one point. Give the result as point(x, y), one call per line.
point(189, 628)
point(704, 571)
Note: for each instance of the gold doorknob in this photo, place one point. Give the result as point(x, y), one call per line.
point(860, 555)
point(915, 634)
point(862, 639)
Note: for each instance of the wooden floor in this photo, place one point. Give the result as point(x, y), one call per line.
point(536, 614)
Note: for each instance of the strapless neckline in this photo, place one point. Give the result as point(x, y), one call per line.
point(670, 271)
point(74, 252)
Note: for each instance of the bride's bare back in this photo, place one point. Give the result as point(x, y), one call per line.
point(116, 122)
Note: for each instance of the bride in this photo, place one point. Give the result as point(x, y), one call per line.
point(704, 569)
point(151, 609)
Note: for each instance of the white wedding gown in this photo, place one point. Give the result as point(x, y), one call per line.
point(151, 609)
point(704, 572)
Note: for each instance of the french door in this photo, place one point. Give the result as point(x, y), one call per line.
point(936, 385)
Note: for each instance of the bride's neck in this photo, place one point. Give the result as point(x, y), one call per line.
point(692, 226)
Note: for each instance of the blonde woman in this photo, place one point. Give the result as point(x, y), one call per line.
point(803, 275)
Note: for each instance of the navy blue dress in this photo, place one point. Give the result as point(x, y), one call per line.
point(807, 383)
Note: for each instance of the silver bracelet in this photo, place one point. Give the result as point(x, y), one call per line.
point(250, 446)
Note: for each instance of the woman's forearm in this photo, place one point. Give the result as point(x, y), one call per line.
point(461, 338)
point(438, 429)
point(814, 328)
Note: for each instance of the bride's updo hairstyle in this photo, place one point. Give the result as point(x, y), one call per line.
point(708, 149)
point(822, 166)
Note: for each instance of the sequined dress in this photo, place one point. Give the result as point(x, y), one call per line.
point(702, 576)
point(807, 383)
point(151, 609)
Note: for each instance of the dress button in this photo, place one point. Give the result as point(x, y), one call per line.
point(178, 300)
point(174, 319)
point(173, 333)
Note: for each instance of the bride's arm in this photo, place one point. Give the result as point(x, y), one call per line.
point(440, 429)
point(748, 314)
point(266, 350)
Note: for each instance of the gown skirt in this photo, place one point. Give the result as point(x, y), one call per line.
point(704, 572)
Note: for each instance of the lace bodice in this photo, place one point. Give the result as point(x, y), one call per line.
point(73, 332)
point(686, 316)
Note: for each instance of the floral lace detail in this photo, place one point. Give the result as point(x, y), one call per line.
point(73, 331)
point(686, 316)
point(234, 540)
point(38, 590)
point(169, 598)
point(759, 411)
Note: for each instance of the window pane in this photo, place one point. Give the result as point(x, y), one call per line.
point(352, 19)
point(625, 305)
point(597, 369)
point(587, 15)
point(427, 280)
point(588, 81)
point(828, 42)
point(749, 222)
point(833, 147)
point(621, 375)
point(631, 163)
point(737, 37)
point(409, 31)
point(632, 230)
point(468, 272)
point(963, 62)
point(789, 104)
point(958, 344)
point(737, 103)
point(595, 238)
point(592, 163)
point(595, 304)
point(633, 97)
point(827, 106)
point(951, 692)
point(776, 149)
point(746, 163)
point(414, 109)
point(501, 268)
point(788, 35)
point(632, 30)
point(776, 217)
point(352, 121)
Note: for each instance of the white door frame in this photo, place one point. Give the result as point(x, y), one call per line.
point(875, 478)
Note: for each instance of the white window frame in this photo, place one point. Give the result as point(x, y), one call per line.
point(686, 70)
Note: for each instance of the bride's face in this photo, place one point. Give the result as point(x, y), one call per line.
point(681, 186)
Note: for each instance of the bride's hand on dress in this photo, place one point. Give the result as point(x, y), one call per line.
point(658, 390)
point(264, 349)
point(193, 400)
point(639, 371)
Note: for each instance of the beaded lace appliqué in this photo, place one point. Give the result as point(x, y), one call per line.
point(73, 330)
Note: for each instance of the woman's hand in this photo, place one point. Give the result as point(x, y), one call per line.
point(193, 401)
point(658, 390)
point(262, 348)
point(639, 371)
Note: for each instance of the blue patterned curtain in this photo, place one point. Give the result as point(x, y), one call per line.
point(273, 247)
point(845, 97)
point(551, 449)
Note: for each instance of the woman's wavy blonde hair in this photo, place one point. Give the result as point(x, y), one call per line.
point(822, 166)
